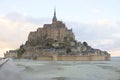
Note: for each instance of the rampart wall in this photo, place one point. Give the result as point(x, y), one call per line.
point(75, 58)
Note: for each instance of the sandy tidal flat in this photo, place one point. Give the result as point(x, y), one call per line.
point(69, 70)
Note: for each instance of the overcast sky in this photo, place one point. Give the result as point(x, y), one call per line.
point(94, 21)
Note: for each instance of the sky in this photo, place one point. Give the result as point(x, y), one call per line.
point(95, 21)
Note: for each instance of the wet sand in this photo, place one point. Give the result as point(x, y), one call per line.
point(62, 70)
point(70, 70)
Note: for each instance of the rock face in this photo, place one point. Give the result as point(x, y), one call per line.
point(55, 38)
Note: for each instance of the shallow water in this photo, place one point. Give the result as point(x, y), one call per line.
point(63, 70)
point(69, 70)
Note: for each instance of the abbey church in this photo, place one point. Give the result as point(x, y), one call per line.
point(57, 31)
point(56, 42)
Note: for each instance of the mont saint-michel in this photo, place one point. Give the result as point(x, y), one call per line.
point(56, 42)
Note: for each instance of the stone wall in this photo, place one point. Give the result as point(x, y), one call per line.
point(46, 58)
point(75, 58)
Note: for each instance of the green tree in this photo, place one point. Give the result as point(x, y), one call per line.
point(68, 50)
point(85, 44)
point(20, 51)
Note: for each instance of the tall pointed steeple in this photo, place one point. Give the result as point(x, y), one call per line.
point(54, 17)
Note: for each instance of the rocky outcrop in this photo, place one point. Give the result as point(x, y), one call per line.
point(55, 38)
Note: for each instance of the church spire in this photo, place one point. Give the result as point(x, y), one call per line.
point(54, 12)
point(54, 17)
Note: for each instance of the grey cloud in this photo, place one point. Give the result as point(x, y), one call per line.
point(27, 18)
point(94, 34)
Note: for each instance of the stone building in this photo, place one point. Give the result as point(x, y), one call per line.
point(11, 54)
point(57, 31)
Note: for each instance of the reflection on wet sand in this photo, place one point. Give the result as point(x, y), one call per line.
point(61, 70)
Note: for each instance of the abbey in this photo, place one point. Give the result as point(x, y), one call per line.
point(56, 42)
point(56, 32)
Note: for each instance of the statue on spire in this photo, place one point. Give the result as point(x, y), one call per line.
point(54, 17)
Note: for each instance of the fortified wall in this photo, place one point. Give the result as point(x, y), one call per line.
point(75, 58)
